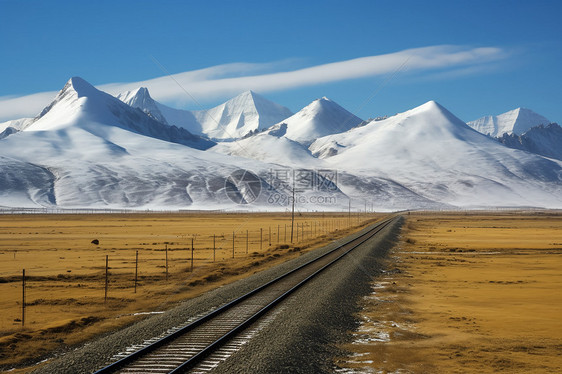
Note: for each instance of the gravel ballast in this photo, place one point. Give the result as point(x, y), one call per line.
point(318, 316)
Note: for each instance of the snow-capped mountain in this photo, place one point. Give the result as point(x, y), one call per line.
point(237, 117)
point(89, 149)
point(434, 154)
point(286, 142)
point(140, 98)
point(320, 118)
point(81, 105)
point(542, 140)
point(515, 121)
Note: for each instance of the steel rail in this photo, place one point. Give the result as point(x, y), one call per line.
point(196, 358)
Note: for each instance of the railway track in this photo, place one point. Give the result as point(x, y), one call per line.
point(186, 348)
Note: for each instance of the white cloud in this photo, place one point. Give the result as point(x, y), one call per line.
point(230, 79)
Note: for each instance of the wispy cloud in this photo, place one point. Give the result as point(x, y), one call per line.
point(230, 79)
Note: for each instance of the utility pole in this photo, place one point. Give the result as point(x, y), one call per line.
point(23, 299)
point(293, 209)
point(106, 277)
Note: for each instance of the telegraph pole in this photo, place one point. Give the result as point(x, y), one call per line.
point(293, 209)
point(106, 277)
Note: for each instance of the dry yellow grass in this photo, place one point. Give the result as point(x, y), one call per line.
point(66, 272)
point(468, 294)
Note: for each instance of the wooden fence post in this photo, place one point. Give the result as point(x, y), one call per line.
point(166, 262)
point(136, 269)
point(192, 255)
point(23, 299)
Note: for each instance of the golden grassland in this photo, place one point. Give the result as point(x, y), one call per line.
point(467, 294)
point(65, 271)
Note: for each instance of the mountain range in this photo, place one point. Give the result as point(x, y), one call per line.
point(88, 149)
point(542, 140)
point(516, 121)
point(237, 117)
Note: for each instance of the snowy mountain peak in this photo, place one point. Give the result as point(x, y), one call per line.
point(240, 115)
point(81, 86)
point(140, 98)
point(250, 100)
point(431, 106)
point(516, 121)
point(429, 117)
point(246, 99)
point(76, 87)
point(248, 93)
point(80, 107)
point(140, 93)
point(68, 100)
point(107, 154)
point(320, 118)
point(429, 123)
point(233, 119)
point(316, 106)
point(438, 156)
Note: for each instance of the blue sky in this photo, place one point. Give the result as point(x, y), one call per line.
point(517, 47)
